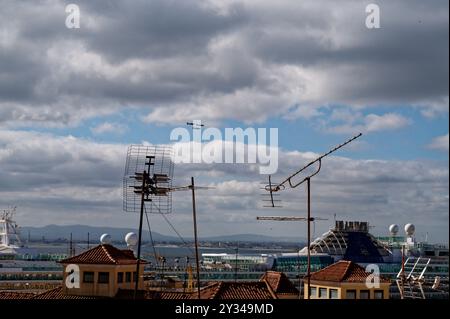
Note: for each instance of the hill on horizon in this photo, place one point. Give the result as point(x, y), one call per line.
point(80, 233)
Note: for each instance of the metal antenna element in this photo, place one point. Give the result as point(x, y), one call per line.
point(288, 218)
point(155, 184)
point(195, 125)
point(148, 178)
point(271, 188)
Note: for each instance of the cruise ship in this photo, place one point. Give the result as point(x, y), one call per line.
point(19, 263)
point(347, 240)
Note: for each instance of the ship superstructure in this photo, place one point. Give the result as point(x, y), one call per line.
point(10, 242)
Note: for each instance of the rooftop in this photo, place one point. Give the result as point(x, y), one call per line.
point(103, 254)
point(16, 295)
point(57, 293)
point(239, 290)
point(343, 271)
point(279, 282)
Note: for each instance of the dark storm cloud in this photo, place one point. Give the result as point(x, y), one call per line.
point(174, 57)
point(157, 29)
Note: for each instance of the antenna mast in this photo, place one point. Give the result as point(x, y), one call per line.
point(272, 188)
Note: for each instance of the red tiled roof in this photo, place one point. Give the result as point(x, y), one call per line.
point(279, 282)
point(219, 290)
point(142, 294)
point(16, 295)
point(103, 254)
point(343, 271)
point(239, 290)
point(57, 293)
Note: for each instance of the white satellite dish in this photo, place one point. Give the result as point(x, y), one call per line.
point(393, 229)
point(105, 239)
point(131, 239)
point(410, 229)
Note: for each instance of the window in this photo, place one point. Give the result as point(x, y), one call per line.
point(364, 294)
point(88, 277)
point(134, 276)
point(323, 293)
point(312, 291)
point(378, 294)
point(128, 276)
point(333, 294)
point(103, 277)
point(350, 294)
point(120, 277)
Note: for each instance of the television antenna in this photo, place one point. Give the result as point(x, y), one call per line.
point(411, 277)
point(148, 178)
point(289, 181)
point(196, 125)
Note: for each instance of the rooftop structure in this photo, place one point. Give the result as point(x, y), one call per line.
point(100, 272)
point(280, 285)
point(347, 280)
point(104, 254)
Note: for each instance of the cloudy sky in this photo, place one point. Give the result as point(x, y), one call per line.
point(72, 100)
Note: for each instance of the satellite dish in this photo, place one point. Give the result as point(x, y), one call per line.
point(105, 239)
point(393, 229)
point(131, 239)
point(410, 229)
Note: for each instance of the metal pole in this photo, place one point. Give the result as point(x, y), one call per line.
point(402, 277)
point(71, 246)
point(136, 287)
point(194, 215)
point(236, 263)
point(308, 269)
point(88, 241)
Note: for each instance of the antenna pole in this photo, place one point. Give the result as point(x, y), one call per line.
point(308, 269)
point(403, 272)
point(70, 246)
point(194, 216)
point(88, 241)
point(236, 263)
point(144, 179)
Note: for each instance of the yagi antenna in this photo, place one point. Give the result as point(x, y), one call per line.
point(276, 187)
point(273, 188)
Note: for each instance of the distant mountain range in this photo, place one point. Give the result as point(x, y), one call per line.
point(80, 233)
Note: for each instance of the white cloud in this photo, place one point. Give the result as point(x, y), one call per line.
point(389, 121)
point(353, 122)
point(440, 143)
point(107, 127)
point(70, 180)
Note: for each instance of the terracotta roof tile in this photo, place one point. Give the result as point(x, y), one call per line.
point(103, 254)
point(16, 295)
point(129, 294)
point(279, 282)
point(176, 295)
point(343, 271)
point(239, 290)
point(57, 293)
